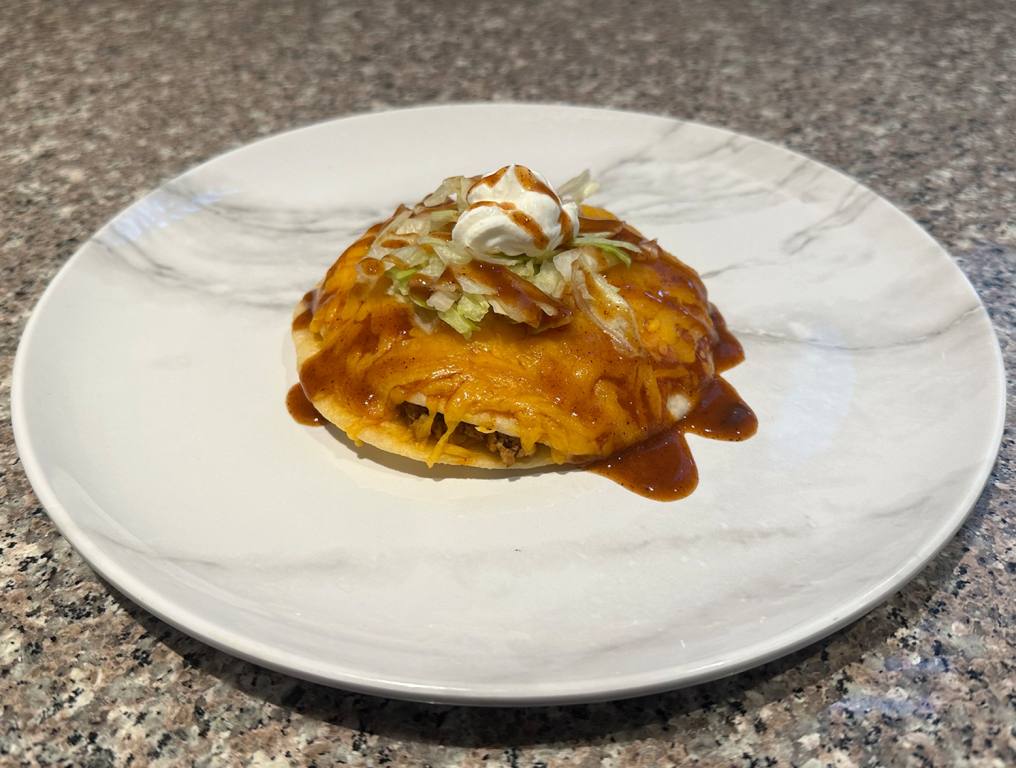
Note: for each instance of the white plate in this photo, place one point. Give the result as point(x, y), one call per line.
point(148, 407)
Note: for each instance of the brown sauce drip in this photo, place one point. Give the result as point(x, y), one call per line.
point(605, 227)
point(431, 284)
point(662, 467)
point(721, 414)
point(320, 372)
point(529, 182)
point(524, 297)
point(370, 267)
point(301, 409)
point(490, 179)
point(727, 350)
point(303, 319)
point(523, 221)
point(565, 223)
point(494, 204)
point(421, 287)
point(528, 224)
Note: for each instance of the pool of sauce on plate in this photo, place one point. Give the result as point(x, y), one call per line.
point(297, 403)
point(301, 409)
point(661, 467)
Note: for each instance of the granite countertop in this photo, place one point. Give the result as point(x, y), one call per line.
point(102, 101)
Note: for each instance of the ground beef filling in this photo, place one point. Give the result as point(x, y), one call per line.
point(506, 447)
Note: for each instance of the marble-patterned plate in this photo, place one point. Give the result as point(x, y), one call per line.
point(148, 407)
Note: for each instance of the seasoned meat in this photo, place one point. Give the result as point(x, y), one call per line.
point(418, 418)
point(506, 447)
point(411, 412)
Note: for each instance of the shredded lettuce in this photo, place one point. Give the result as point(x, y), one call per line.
point(400, 278)
point(472, 286)
point(525, 268)
point(414, 225)
point(376, 249)
point(502, 259)
point(606, 307)
point(578, 188)
point(597, 238)
point(411, 255)
point(616, 248)
point(454, 318)
point(467, 313)
point(617, 253)
point(564, 261)
point(473, 307)
point(463, 305)
point(443, 217)
point(463, 193)
point(444, 192)
point(549, 280)
point(433, 268)
point(441, 300)
point(449, 252)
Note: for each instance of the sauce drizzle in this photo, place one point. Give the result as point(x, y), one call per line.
point(662, 467)
point(727, 350)
point(721, 414)
point(301, 409)
point(522, 220)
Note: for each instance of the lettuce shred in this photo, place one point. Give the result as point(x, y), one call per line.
point(423, 247)
point(466, 314)
point(619, 249)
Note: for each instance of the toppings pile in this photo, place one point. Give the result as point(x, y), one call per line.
point(507, 243)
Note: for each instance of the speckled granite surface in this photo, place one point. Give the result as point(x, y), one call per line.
point(101, 101)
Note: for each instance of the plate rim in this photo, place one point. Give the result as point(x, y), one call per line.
point(304, 667)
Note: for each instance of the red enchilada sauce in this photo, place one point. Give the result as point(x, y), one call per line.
point(301, 409)
point(662, 467)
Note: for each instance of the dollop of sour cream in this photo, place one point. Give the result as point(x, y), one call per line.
point(514, 211)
